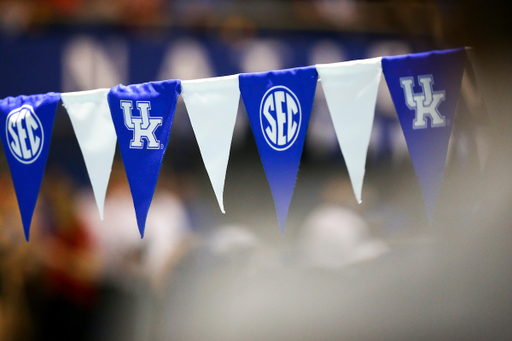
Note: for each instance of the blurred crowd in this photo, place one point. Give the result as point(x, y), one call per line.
point(82, 278)
point(77, 267)
point(200, 275)
point(375, 271)
point(408, 17)
point(197, 274)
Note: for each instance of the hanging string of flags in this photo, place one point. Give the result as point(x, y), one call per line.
point(424, 88)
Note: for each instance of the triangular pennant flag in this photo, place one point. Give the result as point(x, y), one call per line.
point(351, 92)
point(142, 116)
point(26, 124)
point(279, 105)
point(212, 105)
point(90, 116)
point(425, 88)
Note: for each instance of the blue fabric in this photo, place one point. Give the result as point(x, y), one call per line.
point(26, 124)
point(143, 115)
point(427, 140)
point(279, 104)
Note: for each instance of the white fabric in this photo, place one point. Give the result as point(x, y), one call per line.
point(351, 92)
point(212, 105)
point(94, 130)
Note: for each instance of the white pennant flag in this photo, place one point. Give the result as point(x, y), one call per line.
point(94, 130)
point(351, 92)
point(212, 105)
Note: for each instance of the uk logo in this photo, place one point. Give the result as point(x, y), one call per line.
point(25, 135)
point(426, 103)
point(143, 126)
point(280, 117)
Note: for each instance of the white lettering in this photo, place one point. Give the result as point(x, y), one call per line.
point(127, 114)
point(32, 125)
point(271, 130)
point(22, 125)
point(281, 117)
point(281, 109)
point(143, 127)
point(425, 104)
point(15, 143)
point(292, 110)
point(22, 135)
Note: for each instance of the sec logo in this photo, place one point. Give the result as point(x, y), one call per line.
point(280, 117)
point(25, 135)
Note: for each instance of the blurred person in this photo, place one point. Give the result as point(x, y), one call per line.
point(20, 16)
point(15, 16)
point(118, 240)
point(48, 286)
point(335, 235)
point(133, 270)
point(147, 13)
point(62, 9)
point(200, 297)
point(338, 12)
point(65, 297)
point(19, 264)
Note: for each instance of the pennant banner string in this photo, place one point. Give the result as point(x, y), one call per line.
point(424, 88)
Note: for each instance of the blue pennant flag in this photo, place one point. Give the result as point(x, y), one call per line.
point(279, 104)
point(425, 88)
point(26, 129)
point(142, 116)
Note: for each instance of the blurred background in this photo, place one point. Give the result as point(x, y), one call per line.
point(374, 271)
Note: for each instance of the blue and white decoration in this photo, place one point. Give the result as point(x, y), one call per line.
point(94, 130)
point(212, 104)
point(425, 88)
point(26, 124)
point(279, 104)
point(142, 116)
